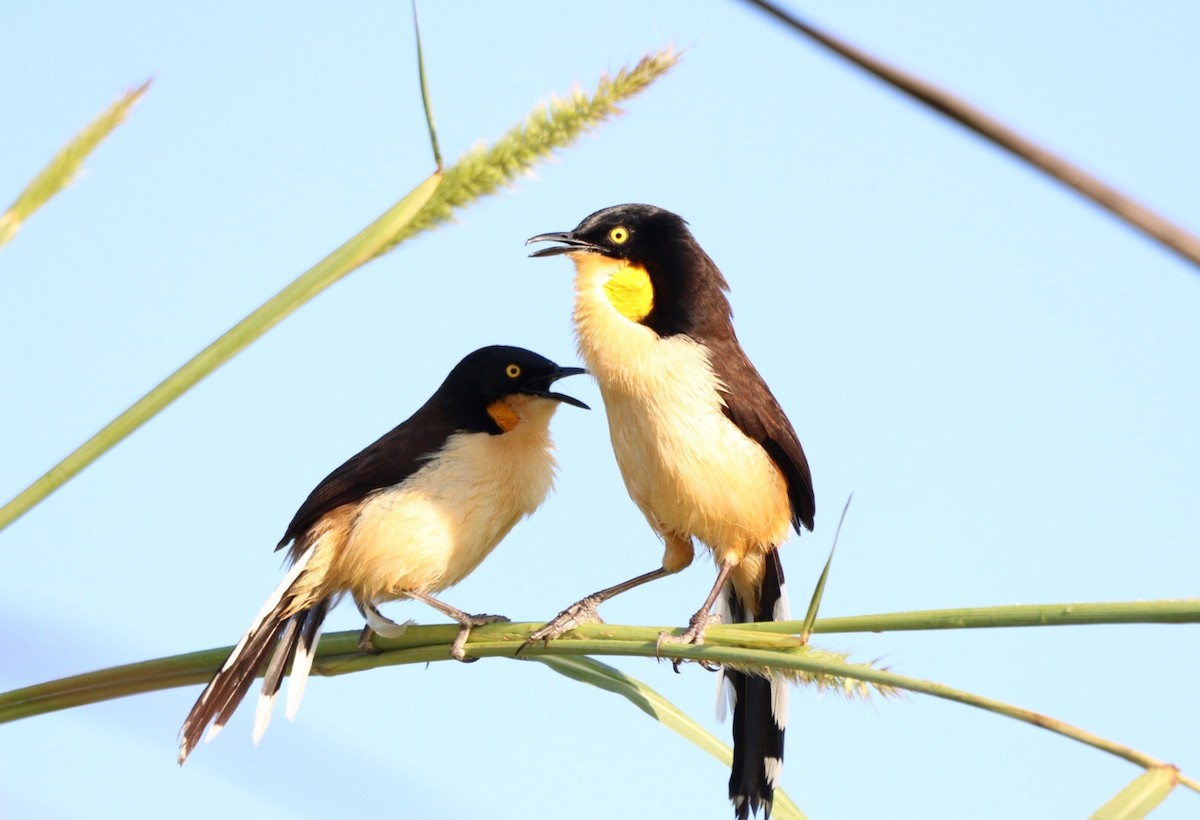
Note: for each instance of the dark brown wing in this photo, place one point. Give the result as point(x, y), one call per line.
point(750, 405)
point(390, 460)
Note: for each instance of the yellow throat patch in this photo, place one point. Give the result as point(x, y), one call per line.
point(630, 292)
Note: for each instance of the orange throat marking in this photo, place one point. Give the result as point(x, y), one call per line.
point(505, 417)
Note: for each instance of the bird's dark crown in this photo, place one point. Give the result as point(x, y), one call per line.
point(689, 290)
point(497, 371)
point(635, 233)
point(494, 372)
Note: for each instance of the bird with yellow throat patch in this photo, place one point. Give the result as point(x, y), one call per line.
point(411, 515)
point(705, 449)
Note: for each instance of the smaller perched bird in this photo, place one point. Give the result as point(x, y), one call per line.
point(411, 515)
point(705, 450)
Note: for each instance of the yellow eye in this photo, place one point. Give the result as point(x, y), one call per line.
point(619, 235)
point(512, 371)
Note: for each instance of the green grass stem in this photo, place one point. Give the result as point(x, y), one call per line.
point(753, 650)
point(59, 172)
point(1169, 611)
point(425, 100)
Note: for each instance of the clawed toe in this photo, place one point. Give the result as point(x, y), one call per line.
point(365, 644)
point(482, 620)
point(577, 614)
point(458, 649)
point(694, 634)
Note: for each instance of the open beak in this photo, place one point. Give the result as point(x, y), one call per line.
point(569, 244)
point(541, 388)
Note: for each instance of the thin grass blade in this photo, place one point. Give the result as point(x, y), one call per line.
point(814, 605)
point(433, 140)
point(1141, 796)
point(66, 163)
point(593, 672)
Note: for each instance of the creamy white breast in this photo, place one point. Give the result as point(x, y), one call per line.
point(434, 529)
point(686, 465)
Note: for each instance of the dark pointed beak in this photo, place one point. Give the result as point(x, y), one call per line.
point(568, 240)
point(541, 388)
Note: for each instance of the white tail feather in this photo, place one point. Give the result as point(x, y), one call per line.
point(779, 699)
point(262, 714)
point(269, 607)
point(301, 666)
point(774, 768)
point(783, 610)
point(726, 697)
point(779, 685)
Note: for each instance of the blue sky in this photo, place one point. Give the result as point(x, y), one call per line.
point(1004, 376)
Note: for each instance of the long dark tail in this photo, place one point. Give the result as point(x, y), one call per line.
point(291, 639)
point(759, 705)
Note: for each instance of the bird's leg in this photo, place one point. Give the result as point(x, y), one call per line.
point(377, 624)
point(703, 617)
point(465, 621)
point(365, 644)
point(584, 611)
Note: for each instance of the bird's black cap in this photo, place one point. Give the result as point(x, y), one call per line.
point(499, 370)
point(631, 232)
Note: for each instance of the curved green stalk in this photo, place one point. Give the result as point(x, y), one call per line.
point(740, 647)
point(1120, 205)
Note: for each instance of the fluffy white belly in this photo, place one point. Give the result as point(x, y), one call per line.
point(432, 531)
point(687, 466)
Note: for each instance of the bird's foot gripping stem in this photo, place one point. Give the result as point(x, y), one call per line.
point(376, 622)
point(458, 648)
point(577, 614)
point(694, 634)
point(365, 644)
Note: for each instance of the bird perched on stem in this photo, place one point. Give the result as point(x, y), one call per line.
point(705, 449)
point(409, 516)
